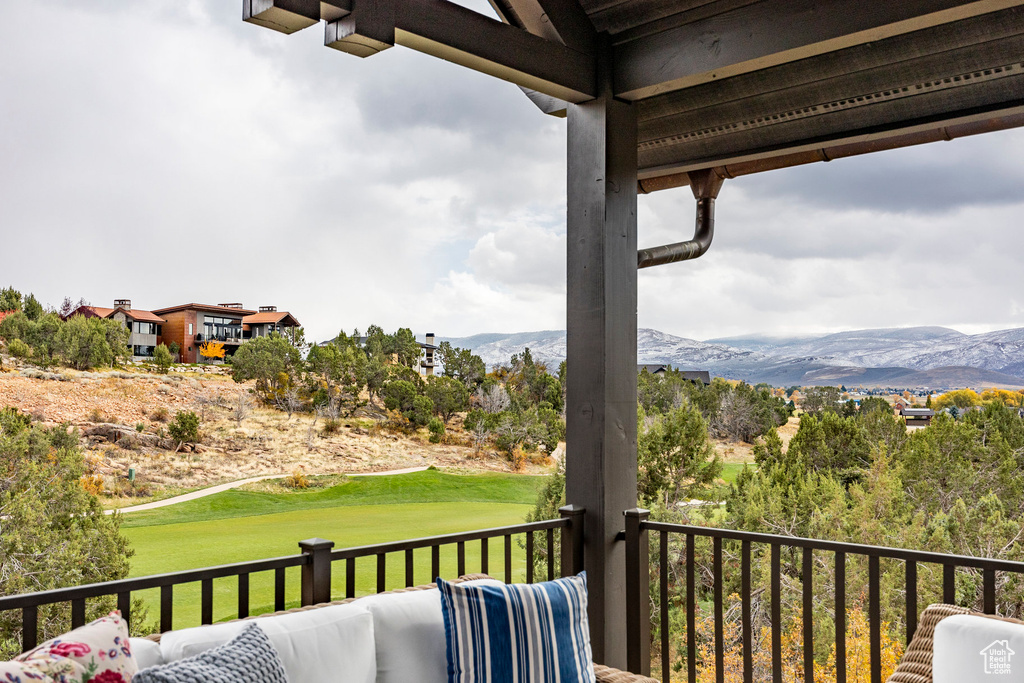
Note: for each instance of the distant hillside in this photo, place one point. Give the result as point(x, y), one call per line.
point(908, 357)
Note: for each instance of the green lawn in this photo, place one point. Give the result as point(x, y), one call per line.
point(236, 526)
point(416, 487)
point(731, 470)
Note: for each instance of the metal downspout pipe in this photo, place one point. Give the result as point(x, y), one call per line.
point(705, 185)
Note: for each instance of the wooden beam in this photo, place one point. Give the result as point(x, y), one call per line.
point(451, 32)
point(368, 29)
point(284, 16)
point(770, 33)
point(567, 22)
point(462, 36)
point(600, 409)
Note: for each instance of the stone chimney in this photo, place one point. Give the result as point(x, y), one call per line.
point(126, 304)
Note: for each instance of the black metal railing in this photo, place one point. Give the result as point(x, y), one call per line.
point(315, 562)
point(703, 581)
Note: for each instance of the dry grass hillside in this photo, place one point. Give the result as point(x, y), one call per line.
point(123, 417)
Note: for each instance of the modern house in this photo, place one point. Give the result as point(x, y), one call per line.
point(268, 320)
point(428, 363)
point(192, 324)
point(146, 326)
point(916, 417)
point(702, 376)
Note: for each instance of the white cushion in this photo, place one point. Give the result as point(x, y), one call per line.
point(409, 635)
point(326, 644)
point(146, 652)
point(972, 648)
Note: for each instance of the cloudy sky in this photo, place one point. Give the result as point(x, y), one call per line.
point(164, 151)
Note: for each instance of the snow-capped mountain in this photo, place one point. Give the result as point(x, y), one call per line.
point(914, 356)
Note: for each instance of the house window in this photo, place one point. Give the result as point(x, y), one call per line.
point(142, 351)
point(190, 333)
point(145, 328)
point(222, 329)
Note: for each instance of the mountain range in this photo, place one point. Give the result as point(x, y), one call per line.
point(936, 357)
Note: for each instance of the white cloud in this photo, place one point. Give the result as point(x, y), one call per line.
point(165, 151)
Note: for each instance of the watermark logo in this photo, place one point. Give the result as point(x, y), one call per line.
point(997, 658)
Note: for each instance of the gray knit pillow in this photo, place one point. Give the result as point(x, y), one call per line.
point(248, 658)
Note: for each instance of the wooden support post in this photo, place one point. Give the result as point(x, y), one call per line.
point(316, 574)
point(601, 346)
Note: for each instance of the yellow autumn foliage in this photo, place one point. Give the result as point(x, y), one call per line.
point(212, 349)
point(858, 652)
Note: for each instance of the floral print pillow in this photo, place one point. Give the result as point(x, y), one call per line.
point(95, 653)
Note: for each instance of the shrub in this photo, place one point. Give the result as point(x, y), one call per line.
point(297, 480)
point(436, 429)
point(140, 427)
point(93, 484)
point(13, 421)
point(184, 428)
point(19, 349)
point(162, 358)
point(332, 426)
point(96, 415)
point(160, 414)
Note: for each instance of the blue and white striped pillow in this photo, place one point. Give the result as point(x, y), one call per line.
point(520, 633)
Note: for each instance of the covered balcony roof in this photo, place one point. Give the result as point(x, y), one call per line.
point(740, 86)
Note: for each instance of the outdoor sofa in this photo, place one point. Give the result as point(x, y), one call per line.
point(394, 637)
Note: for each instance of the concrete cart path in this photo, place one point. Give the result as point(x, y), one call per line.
point(234, 485)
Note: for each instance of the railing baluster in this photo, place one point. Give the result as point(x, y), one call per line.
point(29, 627)
point(78, 612)
point(776, 613)
point(551, 554)
point(808, 580)
point(206, 602)
point(243, 595)
point(949, 584)
point(279, 586)
point(529, 557)
point(410, 580)
point(461, 552)
point(989, 590)
point(666, 666)
point(508, 558)
point(382, 572)
point(748, 628)
point(350, 577)
point(840, 617)
point(124, 605)
point(911, 587)
point(166, 608)
point(484, 560)
point(719, 619)
point(875, 617)
point(435, 562)
point(691, 611)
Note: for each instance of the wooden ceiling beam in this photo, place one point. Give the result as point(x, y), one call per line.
point(462, 36)
point(771, 33)
point(451, 32)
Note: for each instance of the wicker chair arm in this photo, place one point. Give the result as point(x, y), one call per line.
point(606, 674)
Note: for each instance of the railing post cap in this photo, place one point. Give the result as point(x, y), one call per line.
point(571, 510)
point(316, 544)
point(638, 512)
